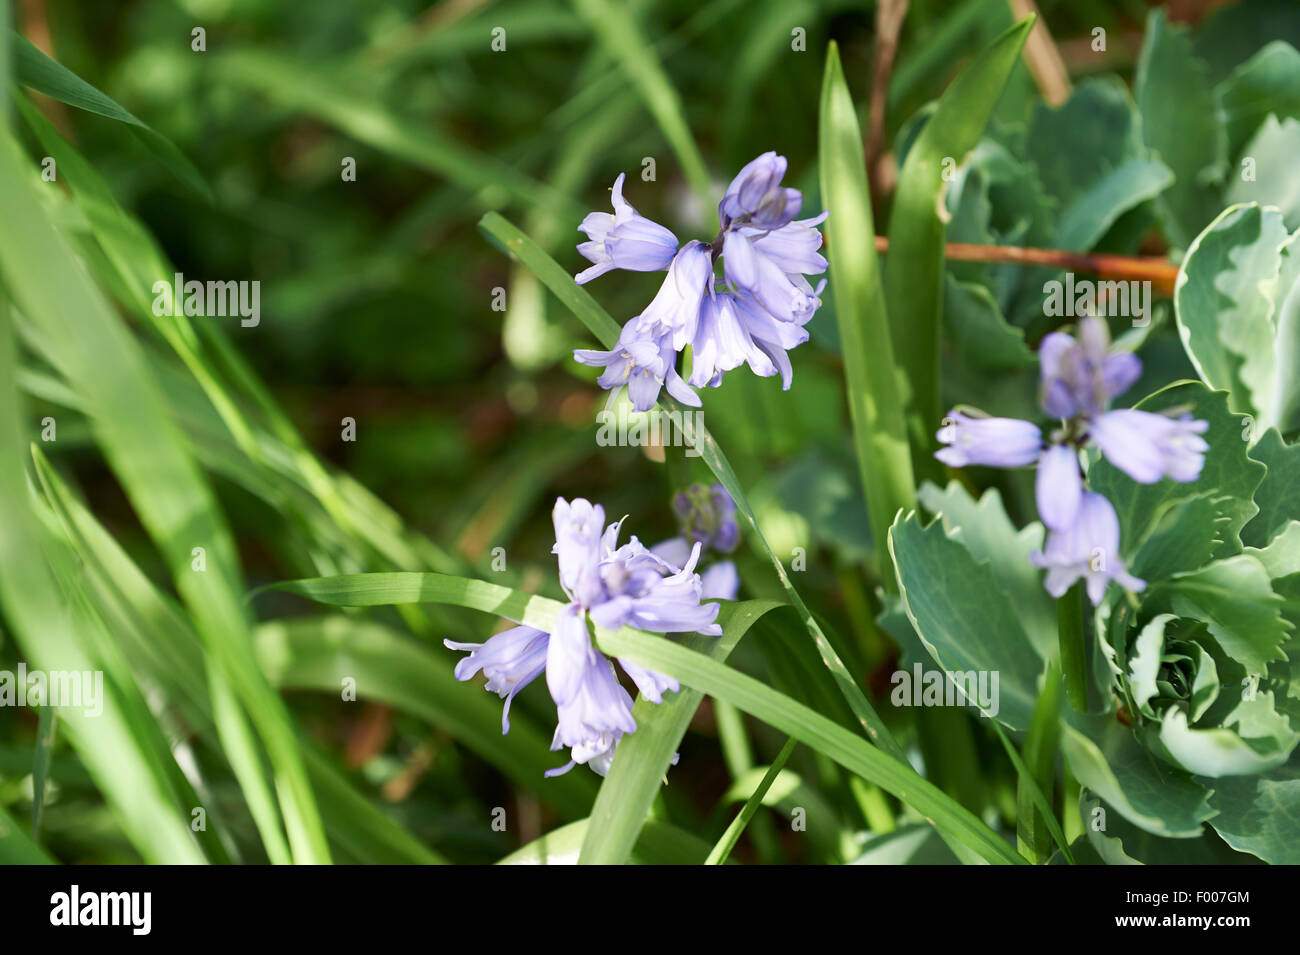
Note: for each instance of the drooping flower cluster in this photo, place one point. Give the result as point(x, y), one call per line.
point(1078, 379)
point(614, 586)
point(708, 518)
point(757, 315)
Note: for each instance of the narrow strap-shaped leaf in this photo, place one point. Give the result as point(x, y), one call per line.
point(871, 383)
point(914, 268)
point(729, 838)
point(850, 751)
point(643, 758)
point(174, 502)
point(690, 668)
point(34, 69)
point(16, 846)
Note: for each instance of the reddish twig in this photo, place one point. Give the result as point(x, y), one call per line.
point(1159, 272)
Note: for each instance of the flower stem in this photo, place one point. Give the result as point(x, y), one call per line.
point(1032, 838)
point(1069, 620)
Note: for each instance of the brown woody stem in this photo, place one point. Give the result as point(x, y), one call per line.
point(1159, 272)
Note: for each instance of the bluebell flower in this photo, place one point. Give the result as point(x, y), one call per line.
point(1078, 379)
point(624, 240)
point(593, 710)
point(675, 309)
point(645, 365)
point(1088, 548)
point(788, 297)
point(756, 197)
point(708, 516)
point(613, 586)
point(721, 581)
point(1058, 486)
point(1148, 447)
point(993, 442)
point(646, 592)
point(579, 535)
point(793, 247)
point(774, 337)
point(755, 319)
point(510, 660)
point(723, 342)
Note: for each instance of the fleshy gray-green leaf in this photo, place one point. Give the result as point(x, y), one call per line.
point(1229, 304)
point(1182, 126)
point(1105, 757)
point(1272, 150)
point(964, 616)
point(979, 329)
point(1261, 814)
point(992, 539)
point(1278, 495)
point(1267, 83)
point(1236, 600)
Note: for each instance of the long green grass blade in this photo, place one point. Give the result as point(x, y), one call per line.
point(689, 667)
point(34, 69)
point(914, 268)
point(146, 452)
point(828, 738)
point(660, 843)
point(45, 727)
point(146, 623)
point(722, 849)
point(159, 640)
point(336, 99)
point(17, 847)
point(50, 630)
point(642, 759)
point(875, 406)
point(318, 653)
point(1035, 819)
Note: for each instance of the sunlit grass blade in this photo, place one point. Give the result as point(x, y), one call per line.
point(146, 623)
point(158, 640)
point(1035, 819)
point(50, 630)
point(356, 824)
point(875, 406)
point(615, 25)
point(318, 653)
point(642, 759)
point(219, 374)
point(689, 667)
point(146, 452)
point(914, 267)
point(850, 751)
point(660, 843)
point(34, 69)
point(16, 846)
point(722, 849)
point(508, 238)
